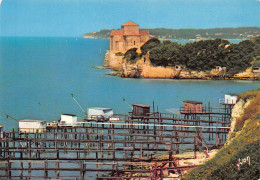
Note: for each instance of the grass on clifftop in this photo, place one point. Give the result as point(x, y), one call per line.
point(246, 143)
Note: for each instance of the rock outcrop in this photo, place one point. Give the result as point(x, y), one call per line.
point(237, 112)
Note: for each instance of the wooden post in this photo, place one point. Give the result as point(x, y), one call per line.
point(57, 166)
point(195, 148)
point(161, 173)
point(113, 144)
point(177, 141)
point(9, 166)
point(45, 169)
point(29, 166)
point(58, 154)
point(30, 148)
point(21, 172)
point(21, 154)
point(82, 170)
point(13, 134)
point(39, 154)
point(141, 151)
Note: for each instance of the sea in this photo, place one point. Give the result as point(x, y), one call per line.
point(39, 74)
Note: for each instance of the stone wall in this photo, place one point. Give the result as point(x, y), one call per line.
point(113, 61)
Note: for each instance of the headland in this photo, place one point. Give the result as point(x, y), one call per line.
point(134, 53)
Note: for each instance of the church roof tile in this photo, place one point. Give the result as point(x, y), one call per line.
point(144, 32)
point(130, 23)
point(116, 32)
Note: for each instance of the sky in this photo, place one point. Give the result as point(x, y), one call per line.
point(73, 18)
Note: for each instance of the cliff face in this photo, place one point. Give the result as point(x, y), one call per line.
point(143, 68)
point(237, 112)
point(113, 61)
point(239, 159)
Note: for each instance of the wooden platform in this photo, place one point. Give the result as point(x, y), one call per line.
point(135, 140)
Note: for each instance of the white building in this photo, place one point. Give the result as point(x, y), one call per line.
point(229, 99)
point(98, 113)
point(32, 126)
point(1, 131)
point(68, 119)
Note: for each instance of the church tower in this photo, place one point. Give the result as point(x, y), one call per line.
point(130, 36)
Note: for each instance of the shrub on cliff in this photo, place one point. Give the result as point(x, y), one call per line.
point(131, 55)
point(166, 54)
point(151, 43)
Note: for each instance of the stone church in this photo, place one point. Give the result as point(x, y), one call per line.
point(129, 36)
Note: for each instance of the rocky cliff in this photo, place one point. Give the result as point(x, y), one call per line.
point(239, 159)
point(238, 112)
point(144, 69)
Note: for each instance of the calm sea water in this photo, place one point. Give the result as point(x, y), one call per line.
point(48, 70)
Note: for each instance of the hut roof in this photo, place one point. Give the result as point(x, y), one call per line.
point(69, 114)
point(193, 102)
point(31, 120)
point(100, 108)
point(140, 105)
point(231, 94)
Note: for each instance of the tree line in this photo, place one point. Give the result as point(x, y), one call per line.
point(199, 55)
point(224, 33)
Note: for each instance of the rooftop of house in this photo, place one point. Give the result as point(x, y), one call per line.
point(31, 120)
point(193, 102)
point(134, 33)
point(120, 32)
point(141, 105)
point(130, 23)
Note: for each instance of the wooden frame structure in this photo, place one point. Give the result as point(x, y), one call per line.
point(134, 140)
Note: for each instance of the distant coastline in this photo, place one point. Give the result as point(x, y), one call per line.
point(189, 34)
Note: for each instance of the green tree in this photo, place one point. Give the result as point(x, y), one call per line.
point(166, 54)
point(151, 43)
point(131, 55)
point(203, 55)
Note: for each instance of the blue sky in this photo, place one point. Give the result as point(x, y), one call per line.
point(72, 18)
